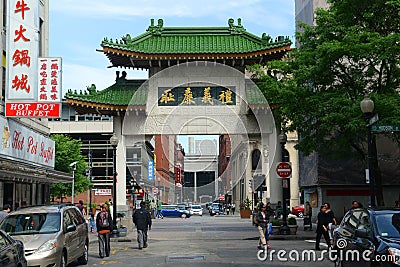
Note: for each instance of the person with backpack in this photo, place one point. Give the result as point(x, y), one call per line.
point(104, 225)
point(142, 220)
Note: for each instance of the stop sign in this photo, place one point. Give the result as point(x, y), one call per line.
point(284, 169)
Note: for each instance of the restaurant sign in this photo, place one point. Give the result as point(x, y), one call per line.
point(30, 80)
point(22, 143)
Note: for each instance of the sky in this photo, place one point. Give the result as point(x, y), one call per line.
point(78, 27)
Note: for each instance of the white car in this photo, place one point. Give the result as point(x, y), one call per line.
point(197, 210)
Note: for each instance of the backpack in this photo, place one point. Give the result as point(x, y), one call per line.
point(255, 222)
point(104, 219)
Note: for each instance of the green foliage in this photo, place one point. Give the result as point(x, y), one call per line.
point(68, 150)
point(148, 204)
point(351, 52)
point(292, 221)
point(246, 204)
point(276, 223)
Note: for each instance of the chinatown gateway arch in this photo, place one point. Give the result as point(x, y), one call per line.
point(197, 86)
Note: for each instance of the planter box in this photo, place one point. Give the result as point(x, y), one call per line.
point(293, 229)
point(245, 214)
point(275, 229)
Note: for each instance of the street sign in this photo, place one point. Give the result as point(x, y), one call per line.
point(155, 190)
point(374, 119)
point(385, 128)
point(284, 169)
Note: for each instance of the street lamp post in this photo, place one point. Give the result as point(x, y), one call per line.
point(367, 107)
point(73, 166)
point(285, 230)
point(90, 180)
point(114, 142)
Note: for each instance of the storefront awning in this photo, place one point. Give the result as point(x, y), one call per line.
point(13, 170)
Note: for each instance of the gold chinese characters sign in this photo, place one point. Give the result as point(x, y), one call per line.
point(199, 95)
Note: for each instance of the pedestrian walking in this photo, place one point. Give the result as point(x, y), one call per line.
point(81, 207)
point(322, 227)
point(104, 224)
point(262, 224)
point(153, 208)
point(331, 221)
point(159, 208)
point(308, 214)
point(4, 213)
point(142, 220)
point(233, 208)
point(355, 205)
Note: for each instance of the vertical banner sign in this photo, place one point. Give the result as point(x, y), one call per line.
point(33, 84)
point(49, 82)
point(150, 177)
point(22, 49)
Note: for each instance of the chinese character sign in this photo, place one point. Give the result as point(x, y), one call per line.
point(49, 82)
point(191, 96)
point(22, 49)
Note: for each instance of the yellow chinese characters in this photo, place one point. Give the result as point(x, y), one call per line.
point(226, 97)
point(167, 96)
point(188, 97)
point(207, 96)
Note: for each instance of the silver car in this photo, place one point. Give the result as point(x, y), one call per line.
point(53, 235)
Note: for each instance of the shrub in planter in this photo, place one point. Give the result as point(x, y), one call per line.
point(276, 223)
point(292, 221)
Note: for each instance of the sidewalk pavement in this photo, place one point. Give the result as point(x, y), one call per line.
point(131, 233)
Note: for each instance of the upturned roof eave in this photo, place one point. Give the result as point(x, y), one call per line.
point(217, 55)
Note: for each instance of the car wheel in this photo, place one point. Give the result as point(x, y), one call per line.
point(183, 215)
point(83, 260)
point(300, 214)
point(63, 259)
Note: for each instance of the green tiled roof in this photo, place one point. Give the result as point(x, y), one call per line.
point(195, 40)
point(122, 93)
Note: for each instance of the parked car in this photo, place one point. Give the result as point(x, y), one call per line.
point(11, 251)
point(298, 211)
point(53, 235)
point(375, 231)
point(197, 210)
point(174, 211)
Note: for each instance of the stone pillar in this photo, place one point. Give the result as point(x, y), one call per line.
point(121, 204)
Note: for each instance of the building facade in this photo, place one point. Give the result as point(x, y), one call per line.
point(27, 152)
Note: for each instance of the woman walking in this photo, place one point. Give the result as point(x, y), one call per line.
point(262, 221)
point(322, 228)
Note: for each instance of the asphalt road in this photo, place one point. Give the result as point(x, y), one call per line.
point(203, 241)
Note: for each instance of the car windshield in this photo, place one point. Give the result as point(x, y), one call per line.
point(31, 223)
point(181, 207)
point(388, 224)
point(196, 207)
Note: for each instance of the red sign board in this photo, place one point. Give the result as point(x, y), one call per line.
point(284, 169)
point(33, 109)
point(155, 190)
point(221, 198)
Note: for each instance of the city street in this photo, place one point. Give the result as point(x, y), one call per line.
point(199, 241)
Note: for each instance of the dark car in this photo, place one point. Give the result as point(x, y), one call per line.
point(174, 211)
point(11, 251)
point(368, 237)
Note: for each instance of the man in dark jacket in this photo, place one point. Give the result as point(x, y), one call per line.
point(104, 224)
point(142, 220)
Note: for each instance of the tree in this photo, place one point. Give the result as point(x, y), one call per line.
point(353, 50)
point(68, 150)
